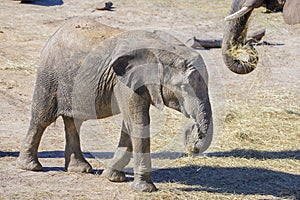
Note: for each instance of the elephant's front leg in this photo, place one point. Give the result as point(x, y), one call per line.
point(139, 127)
point(142, 162)
point(74, 160)
point(134, 107)
point(114, 170)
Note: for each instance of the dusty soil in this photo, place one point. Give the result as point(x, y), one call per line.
point(256, 153)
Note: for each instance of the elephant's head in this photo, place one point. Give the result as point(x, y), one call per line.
point(174, 76)
point(185, 89)
point(238, 54)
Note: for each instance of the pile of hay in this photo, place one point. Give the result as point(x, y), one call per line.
point(246, 54)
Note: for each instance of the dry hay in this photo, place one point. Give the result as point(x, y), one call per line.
point(244, 54)
point(258, 159)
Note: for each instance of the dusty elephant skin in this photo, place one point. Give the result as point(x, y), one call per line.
point(238, 53)
point(92, 71)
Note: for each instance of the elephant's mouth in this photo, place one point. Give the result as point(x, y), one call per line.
point(193, 138)
point(192, 149)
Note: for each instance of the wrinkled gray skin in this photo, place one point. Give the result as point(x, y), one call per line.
point(236, 30)
point(91, 71)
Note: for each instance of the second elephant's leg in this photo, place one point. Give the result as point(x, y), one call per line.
point(114, 171)
point(74, 160)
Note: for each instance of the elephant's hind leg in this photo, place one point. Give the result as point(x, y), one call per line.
point(114, 172)
point(43, 113)
point(28, 157)
point(74, 160)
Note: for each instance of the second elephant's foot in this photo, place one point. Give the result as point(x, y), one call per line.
point(114, 175)
point(28, 163)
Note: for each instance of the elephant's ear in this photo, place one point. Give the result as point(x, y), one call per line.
point(139, 68)
point(291, 12)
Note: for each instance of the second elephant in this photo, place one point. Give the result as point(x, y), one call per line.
point(239, 54)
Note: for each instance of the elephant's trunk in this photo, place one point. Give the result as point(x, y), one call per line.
point(198, 136)
point(238, 55)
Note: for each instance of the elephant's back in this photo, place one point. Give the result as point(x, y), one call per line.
point(83, 33)
point(77, 36)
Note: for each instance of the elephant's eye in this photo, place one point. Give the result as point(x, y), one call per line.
point(185, 86)
point(190, 66)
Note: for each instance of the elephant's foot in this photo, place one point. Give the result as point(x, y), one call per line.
point(27, 162)
point(143, 186)
point(114, 175)
point(79, 165)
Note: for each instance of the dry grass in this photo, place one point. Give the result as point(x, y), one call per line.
point(257, 157)
point(245, 54)
point(264, 127)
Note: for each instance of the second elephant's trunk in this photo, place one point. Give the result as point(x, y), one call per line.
point(239, 56)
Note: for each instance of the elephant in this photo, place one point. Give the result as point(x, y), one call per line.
point(88, 70)
point(238, 54)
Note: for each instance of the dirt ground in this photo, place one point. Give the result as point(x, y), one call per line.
point(256, 152)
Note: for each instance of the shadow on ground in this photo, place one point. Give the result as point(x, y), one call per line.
point(62, 169)
point(96, 155)
point(237, 153)
point(57, 169)
point(235, 180)
point(46, 2)
point(260, 155)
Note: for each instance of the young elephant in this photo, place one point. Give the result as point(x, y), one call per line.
point(92, 71)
